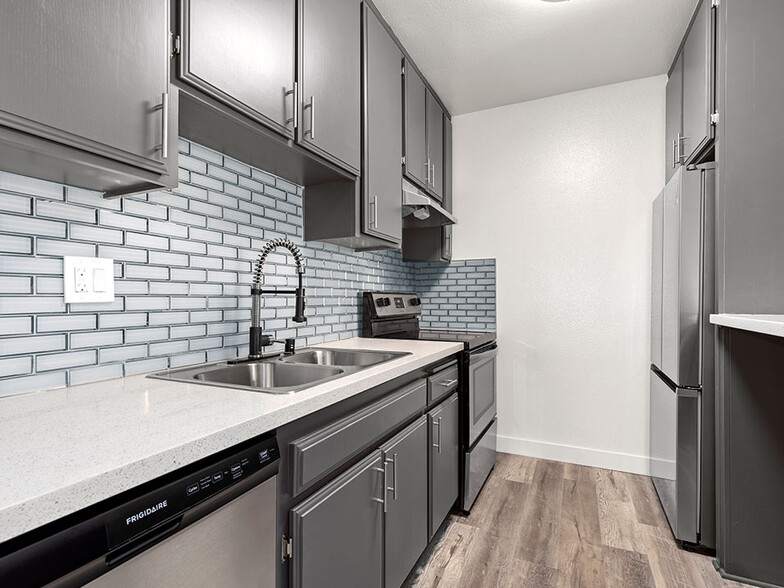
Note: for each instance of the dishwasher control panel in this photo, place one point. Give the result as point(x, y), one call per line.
point(168, 502)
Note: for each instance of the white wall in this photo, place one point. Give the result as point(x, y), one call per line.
point(559, 190)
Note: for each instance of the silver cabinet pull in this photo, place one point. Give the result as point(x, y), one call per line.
point(674, 153)
point(447, 383)
point(373, 220)
point(427, 171)
point(294, 103)
point(165, 125)
point(433, 180)
point(383, 499)
point(393, 487)
point(312, 106)
point(437, 444)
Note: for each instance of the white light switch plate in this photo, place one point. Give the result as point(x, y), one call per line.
point(88, 279)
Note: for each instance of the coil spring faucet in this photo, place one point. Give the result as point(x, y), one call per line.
point(257, 340)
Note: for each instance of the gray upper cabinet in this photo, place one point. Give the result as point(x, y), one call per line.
point(329, 80)
point(241, 53)
point(383, 142)
point(424, 134)
point(698, 84)
point(405, 458)
point(337, 532)
point(415, 128)
point(435, 145)
point(674, 119)
point(92, 78)
point(443, 421)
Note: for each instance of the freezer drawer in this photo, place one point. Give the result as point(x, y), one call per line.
point(675, 455)
point(478, 463)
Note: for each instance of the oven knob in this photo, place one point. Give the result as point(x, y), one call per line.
point(415, 302)
point(382, 302)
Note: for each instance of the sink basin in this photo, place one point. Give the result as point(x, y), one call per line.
point(284, 374)
point(340, 357)
point(269, 375)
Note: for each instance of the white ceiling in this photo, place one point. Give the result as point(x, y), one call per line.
point(480, 54)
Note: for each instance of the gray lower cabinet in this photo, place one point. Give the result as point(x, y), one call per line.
point(443, 430)
point(85, 96)
point(405, 529)
point(337, 532)
point(383, 142)
point(241, 53)
point(329, 80)
point(674, 119)
point(698, 83)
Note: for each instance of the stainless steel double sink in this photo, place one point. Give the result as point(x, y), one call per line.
point(283, 374)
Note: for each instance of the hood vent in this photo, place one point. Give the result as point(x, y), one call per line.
point(420, 210)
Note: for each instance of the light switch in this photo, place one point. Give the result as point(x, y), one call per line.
point(88, 279)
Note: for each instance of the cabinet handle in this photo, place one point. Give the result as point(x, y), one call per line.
point(294, 102)
point(678, 154)
point(447, 383)
point(433, 176)
point(165, 125)
point(312, 106)
point(374, 216)
point(393, 488)
point(382, 500)
point(427, 171)
point(437, 444)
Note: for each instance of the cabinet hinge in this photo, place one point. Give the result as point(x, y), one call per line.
point(176, 45)
point(286, 549)
point(715, 118)
point(403, 70)
point(714, 3)
point(403, 160)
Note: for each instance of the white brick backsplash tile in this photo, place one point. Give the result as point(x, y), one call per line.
point(14, 244)
point(62, 211)
point(146, 365)
point(31, 304)
point(95, 234)
point(16, 285)
point(15, 366)
point(146, 335)
point(59, 361)
point(31, 226)
point(113, 321)
point(18, 204)
point(44, 381)
point(74, 322)
point(113, 354)
point(94, 374)
point(98, 339)
point(32, 186)
point(37, 344)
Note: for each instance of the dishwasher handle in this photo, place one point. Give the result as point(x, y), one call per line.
point(144, 541)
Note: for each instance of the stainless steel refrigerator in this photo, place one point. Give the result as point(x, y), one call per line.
point(682, 392)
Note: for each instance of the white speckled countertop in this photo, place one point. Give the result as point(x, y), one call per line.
point(767, 324)
point(65, 449)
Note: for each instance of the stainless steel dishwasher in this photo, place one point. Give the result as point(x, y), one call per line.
point(210, 524)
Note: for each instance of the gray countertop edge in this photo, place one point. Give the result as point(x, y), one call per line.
point(70, 448)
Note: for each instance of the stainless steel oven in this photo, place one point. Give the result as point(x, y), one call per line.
point(481, 390)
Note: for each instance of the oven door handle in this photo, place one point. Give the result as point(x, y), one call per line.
point(484, 354)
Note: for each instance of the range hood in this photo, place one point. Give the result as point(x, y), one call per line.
point(420, 210)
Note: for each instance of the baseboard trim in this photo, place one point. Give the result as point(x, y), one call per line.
point(622, 462)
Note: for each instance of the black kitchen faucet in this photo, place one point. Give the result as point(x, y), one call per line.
point(257, 340)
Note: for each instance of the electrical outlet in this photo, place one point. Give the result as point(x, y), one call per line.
point(88, 279)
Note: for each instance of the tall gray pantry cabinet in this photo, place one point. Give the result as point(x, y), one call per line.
point(85, 96)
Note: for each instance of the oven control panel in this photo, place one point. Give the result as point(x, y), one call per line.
point(392, 304)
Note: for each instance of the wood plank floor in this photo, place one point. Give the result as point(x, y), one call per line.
point(542, 523)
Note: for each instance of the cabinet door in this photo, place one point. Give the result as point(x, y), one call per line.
point(415, 127)
point(241, 52)
point(406, 535)
point(447, 201)
point(674, 119)
point(90, 75)
point(337, 531)
point(330, 46)
point(383, 209)
point(435, 145)
point(443, 422)
point(698, 82)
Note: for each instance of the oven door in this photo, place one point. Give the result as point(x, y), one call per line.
point(481, 391)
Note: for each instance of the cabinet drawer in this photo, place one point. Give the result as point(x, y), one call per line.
point(316, 454)
point(442, 383)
